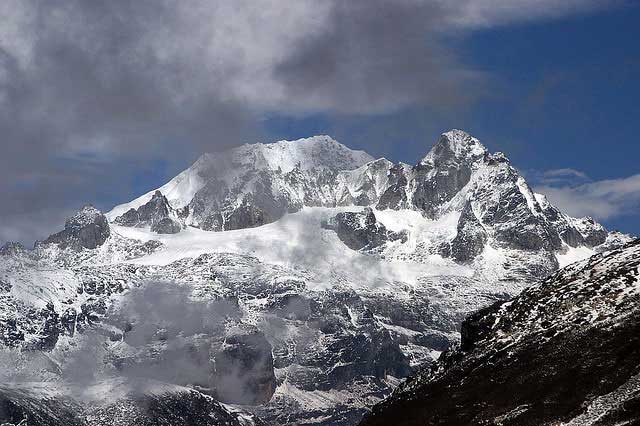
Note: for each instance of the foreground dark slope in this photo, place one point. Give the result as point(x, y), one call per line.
point(566, 351)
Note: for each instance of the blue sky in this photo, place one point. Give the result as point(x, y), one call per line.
point(101, 101)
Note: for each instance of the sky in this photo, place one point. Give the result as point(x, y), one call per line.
point(102, 101)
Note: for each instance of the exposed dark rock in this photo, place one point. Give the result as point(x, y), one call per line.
point(156, 214)
point(478, 326)
point(615, 239)
point(291, 306)
point(246, 216)
point(128, 218)
point(156, 209)
point(395, 196)
point(21, 407)
point(471, 237)
point(86, 229)
point(443, 173)
point(514, 224)
point(166, 226)
point(361, 230)
point(170, 406)
point(10, 334)
point(594, 234)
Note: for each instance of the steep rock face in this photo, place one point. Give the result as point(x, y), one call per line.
point(395, 195)
point(166, 226)
point(364, 185)
point(470, 238)
point(361, 231)
point(86, 229)
point(573, 231)
point(445, 170)
point(565, 350)
point(157, 213)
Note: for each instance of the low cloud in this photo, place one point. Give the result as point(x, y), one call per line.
point(604, 199)
point(156, 332)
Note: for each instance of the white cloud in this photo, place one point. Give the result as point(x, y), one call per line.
point(491, 13)
point(603, 199)
point(564, 173)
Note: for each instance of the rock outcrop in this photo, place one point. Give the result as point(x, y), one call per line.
point(87, 229)
point(157, 214)
point(361, 230)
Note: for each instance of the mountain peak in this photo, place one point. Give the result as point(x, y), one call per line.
point(87, 214)
point(456, 144)
point(238, 164)
point(320, 151)
point(462, 143)
point(88, 228)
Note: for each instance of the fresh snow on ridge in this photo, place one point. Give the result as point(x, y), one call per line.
point(317, 152)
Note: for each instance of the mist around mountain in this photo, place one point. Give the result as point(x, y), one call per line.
point(301, 282)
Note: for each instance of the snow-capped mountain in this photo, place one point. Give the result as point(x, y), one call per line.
point(310, 278)
point(566, 351)
point(457, 181)
point(253, 184)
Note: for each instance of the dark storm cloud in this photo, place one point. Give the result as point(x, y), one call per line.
point(91, 92)
point(79, 83)
point(375, 56)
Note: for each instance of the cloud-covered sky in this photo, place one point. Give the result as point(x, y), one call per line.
point(102, 100)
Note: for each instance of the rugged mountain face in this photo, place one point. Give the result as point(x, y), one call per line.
point(342, 275)
point(566, 350)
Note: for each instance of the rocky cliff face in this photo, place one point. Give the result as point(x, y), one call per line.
point(566, 350)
